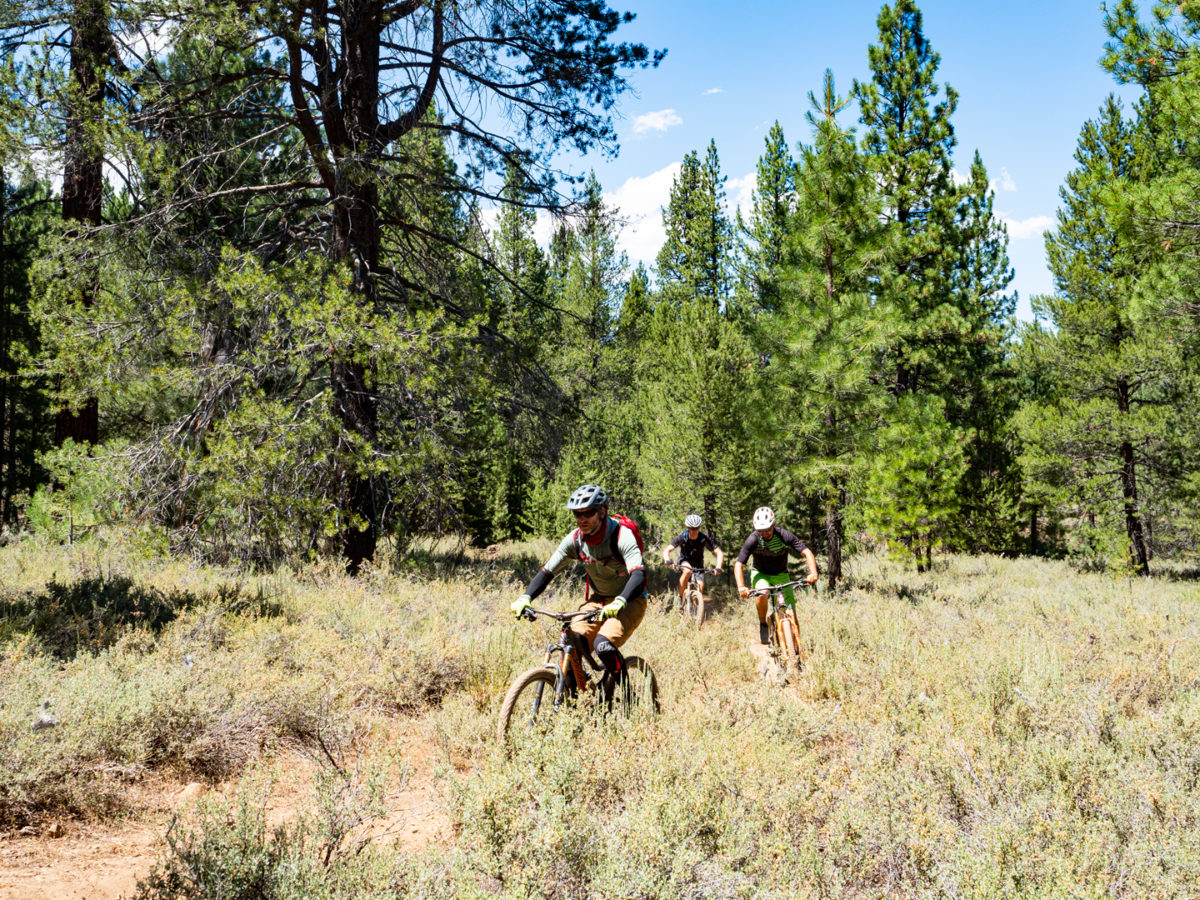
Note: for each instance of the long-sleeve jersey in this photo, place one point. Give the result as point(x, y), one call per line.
point(770, 556)
point(609, 575)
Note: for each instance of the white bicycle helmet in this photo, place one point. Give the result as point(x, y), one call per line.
point(693, 521)
point(587, 496)
point(764, 518)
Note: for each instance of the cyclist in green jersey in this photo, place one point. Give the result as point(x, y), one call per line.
point(770, 545)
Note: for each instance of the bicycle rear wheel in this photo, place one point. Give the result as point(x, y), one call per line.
point(530, 700)
point(637, 694)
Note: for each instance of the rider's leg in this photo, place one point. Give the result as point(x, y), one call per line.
point(614, 633)
point(588, 630)
point(759, 580)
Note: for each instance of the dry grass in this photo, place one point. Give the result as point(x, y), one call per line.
point(992, 728)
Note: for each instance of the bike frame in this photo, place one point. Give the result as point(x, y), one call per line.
point(570, 652)
point(779, 610)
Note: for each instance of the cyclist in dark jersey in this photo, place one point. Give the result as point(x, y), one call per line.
point(770, 545)
point(692, 543)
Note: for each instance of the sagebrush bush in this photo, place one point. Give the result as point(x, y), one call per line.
point(989, 728)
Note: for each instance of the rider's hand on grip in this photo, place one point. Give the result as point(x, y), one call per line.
point(521, 605)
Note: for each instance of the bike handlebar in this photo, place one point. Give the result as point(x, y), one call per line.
point(779, 587)
point(675, 567)
point(531, 613)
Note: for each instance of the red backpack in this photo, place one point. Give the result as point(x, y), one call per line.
point(615, 551)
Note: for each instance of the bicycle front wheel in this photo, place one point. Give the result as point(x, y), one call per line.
point(790, 641)
point(529, 700)
point(693, 606)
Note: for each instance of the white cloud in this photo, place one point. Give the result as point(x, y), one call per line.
point(1021, 229)
point(656, 121)
point(740, 193)
point(639, 202)
point(713, 91)
point(959, 178)
point(1004, 182)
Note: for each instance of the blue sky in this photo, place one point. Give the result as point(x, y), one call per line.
point(1027, 75)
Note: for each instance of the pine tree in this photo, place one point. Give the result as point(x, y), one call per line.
point(26, 215)
point(944, 285)
point(771, 209)
point(910, 143)
point(1108, 435)
point(700, 374)
point(696, 257)
point(829, 329)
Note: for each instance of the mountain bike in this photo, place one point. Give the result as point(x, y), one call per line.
point(540, 692)
point(692, 603)
point(783, 630)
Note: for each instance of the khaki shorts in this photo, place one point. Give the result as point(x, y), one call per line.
point(618, 629)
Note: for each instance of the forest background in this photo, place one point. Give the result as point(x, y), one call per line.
point(286, 299)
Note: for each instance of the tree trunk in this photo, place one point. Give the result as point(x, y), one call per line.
point(8, 457)
point(835, 532)
point(356, 243)
point(1133, 520)
point(83, 172)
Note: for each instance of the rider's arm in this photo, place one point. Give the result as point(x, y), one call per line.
point(812, 566)
point(797, 547)
point(559, 560)
point(667, 553)
point(737, 575)
point(720, 558)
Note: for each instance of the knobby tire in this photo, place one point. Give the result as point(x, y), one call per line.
point(529, 699)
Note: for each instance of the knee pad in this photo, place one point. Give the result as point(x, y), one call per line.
point(610, 656)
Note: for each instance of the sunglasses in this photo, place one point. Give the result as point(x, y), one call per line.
point(582, 514)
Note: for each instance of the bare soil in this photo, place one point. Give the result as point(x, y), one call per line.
point(79, 861)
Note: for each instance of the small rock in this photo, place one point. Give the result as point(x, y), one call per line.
point(55, 830)
point(45, 718)
point(28, 831)
point(192, 791)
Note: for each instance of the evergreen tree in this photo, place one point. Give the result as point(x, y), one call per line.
point(982, 396)
point(1109, 434)
point(943, 287)
point(829, 329)
point(771, 209)
point(700, 373)
point(910, 141)
point(696, 259)
point(26, 215)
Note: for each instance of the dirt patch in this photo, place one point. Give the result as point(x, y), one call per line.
point(74, 861)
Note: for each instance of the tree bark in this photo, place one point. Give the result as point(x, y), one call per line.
point(835, 533)
point(356, 244)
point(1133, 520)
point(83, 173)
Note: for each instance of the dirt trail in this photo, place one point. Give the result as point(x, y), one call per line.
point(104, 862)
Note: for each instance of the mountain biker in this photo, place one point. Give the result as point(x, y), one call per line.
point(616, 577)
point(770, 546)
point(691, 544)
